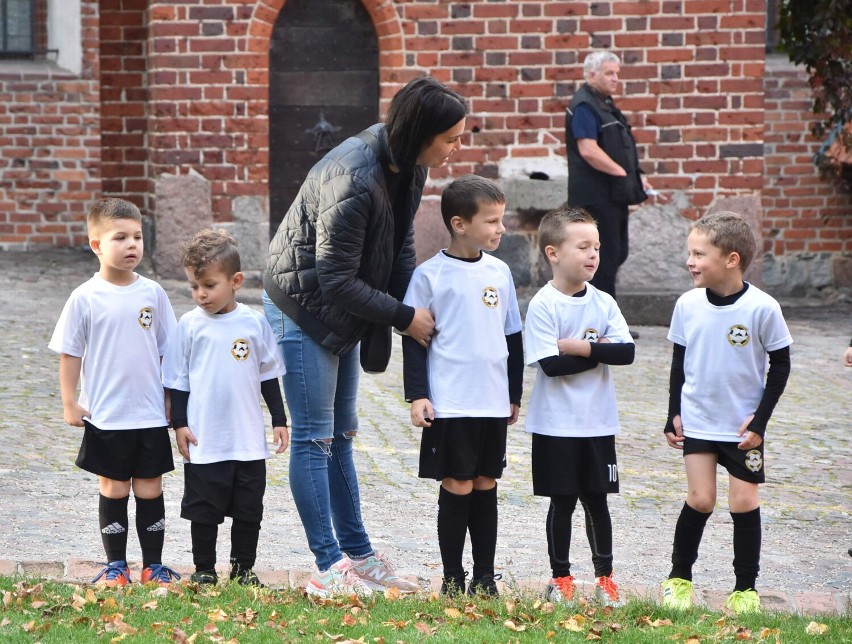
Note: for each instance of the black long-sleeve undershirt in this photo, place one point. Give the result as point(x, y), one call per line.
point(269, 389)
point(613, 353)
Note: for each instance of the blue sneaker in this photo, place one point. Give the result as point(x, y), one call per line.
point(160, 574)
point(115, 573)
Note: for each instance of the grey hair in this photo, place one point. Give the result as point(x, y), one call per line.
point(593, 61)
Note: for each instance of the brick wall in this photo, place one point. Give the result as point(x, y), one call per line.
point(49, 147)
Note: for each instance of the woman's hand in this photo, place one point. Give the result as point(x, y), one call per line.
point(422, 326)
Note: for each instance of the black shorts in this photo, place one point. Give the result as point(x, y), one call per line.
point(123, 454)
point(463, 448)
point(746, 465)
point(572, 466)
point(213, 491)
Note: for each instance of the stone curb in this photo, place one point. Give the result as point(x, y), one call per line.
point(81, 570)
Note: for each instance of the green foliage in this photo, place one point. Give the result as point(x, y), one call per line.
point(818, 34)
point(53, 612)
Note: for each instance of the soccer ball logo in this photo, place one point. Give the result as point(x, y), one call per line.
point(738, 335)
point(240, 349)
point(591, 335)
point(146, 318)
point(489, 297)
point(753, 460)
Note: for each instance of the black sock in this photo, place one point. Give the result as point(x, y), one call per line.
point(244, 537)
point(204, 545)
point(482, 525)
point(151, 527)
point(559, 533)
point(112, 515)
point(453, 512)
point(687, 537)
point(747, 538)
point(599, 532)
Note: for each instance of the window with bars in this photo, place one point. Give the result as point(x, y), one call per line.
point(19, 28)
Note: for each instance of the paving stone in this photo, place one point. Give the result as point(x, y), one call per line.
point(8, 568)
point(813, 603)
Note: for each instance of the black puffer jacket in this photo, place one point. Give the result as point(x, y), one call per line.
point(331, 267)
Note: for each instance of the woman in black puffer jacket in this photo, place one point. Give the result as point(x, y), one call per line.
point(341, 261)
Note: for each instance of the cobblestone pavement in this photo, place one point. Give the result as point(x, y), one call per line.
point(49, 507)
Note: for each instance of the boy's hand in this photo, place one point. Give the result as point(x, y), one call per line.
point(847, 357)
point(514, 410)
point(422, 413)
point(183, 437)
point(751, 439)
point(574, 347)
point(282, 436)
point(74, 414)
point(675, 440)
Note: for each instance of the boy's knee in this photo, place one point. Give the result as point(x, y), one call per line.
point(702, 501)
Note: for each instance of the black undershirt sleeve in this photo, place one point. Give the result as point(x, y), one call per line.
point(515, 366)
point(415, 373)
point(776, 382)
point(271, 392)
point(676, 380)
point(565, 365)
point(614, 353)
point(180, 400)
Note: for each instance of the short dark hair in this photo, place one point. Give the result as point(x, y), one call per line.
point(418, 113)
point(463, 197)
point(552, 229)
point(730, 233)
point(211, 249)
point(109, 209)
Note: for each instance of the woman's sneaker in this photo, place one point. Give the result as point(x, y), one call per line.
point(743, 601)
point(453, 585)
point(560, 590)
point(338, 580)
point(606, 592)
point(379, 574)
point(115, 573)
point(204, 577)
point(484, 585)
point(159, 574)
point(677, 593)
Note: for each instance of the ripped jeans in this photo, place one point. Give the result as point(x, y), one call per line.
point(321, 390)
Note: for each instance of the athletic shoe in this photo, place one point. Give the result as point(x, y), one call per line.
point(204, 577)
point(245, 577)
point(453, 585)
point(560, 590)
point(743, 601)
point(338, 580)
point(606, 591)
point(158, 573)
point(379, 574)
point(677, 593)
point(115, 573)
point(484, 585)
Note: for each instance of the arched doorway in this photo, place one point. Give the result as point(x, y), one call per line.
point(323, 88)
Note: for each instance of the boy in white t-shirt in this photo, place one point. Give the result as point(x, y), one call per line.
point(574, 331)
point(111, 335)
point(719, 403)
point(220, 360)
point(465, 385)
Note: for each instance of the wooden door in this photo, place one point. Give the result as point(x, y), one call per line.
point(323, 88)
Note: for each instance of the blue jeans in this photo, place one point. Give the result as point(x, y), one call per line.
point(321, 391)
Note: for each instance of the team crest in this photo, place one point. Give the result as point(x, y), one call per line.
point(754, 460)
point(240, 349)
point(489, 297)
point(591, 335)
point(738, 336)
point(146, 318)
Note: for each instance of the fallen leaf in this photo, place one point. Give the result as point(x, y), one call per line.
point(6, 621)
point(423, 627)
point(452, 613)
point(29, 627)
point(815, 628)
point(720, 622)
point(178, 635)
point(693, 639)
point(593, 635)
point(743, 633)
point(90, 596)
point(77, 602)
point(349, 620)
point(510, 607)
point(217, 615)
point(152, 605)
point(574, 624)
point(550, 635)
point(615, 627)
point(514, 627)
point(392, 594)
point(210, 627)
point(768, 632)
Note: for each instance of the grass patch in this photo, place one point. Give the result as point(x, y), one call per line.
point(47, 611)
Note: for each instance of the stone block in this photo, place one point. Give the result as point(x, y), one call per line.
point(647, 307)
point(524, 193)
point(430, 234)
point(251, 230)
point(800, 275)
point(841, 271)
point(43, 569)
point(182, 209)
point(8, 568)
point(517, 250)
point(299, 578)
point(82, 570)
point(813, 603)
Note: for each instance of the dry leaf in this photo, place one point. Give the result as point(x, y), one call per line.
point(815, 628)
point(109, 604)
point(7, 597)
point(217, 615)
point(77, 602)
point(349, 620)
point(510, 607)
point(593, 635)
point(720, 622)
point(743, 633)
point(693, 639)
point(514, 627)
point(392, 594)
point(768, 632)
point(210, 627)
point(29, 627)
point(334, 638)
point(574, 624)
point(550, 635)
point(152, 605)
point(6, 621)
point(452, 613)
point(615, 627)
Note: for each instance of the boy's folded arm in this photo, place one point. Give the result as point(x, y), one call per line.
point(614, 353)
point(415, 373)
point(676, 379)
point(515, 366)
point(776, 382)
point(180, 402)
point(271, 392)
point(565, 365)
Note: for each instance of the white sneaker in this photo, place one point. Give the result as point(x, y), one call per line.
point(336, 581)
point(379, 574)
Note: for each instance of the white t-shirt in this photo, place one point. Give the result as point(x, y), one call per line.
point(221, 361)
point(475, 308)
point(579, 405)
point(726, 359)
point(120, 332)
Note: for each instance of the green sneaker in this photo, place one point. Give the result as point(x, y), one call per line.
point(677, 593)
point(743, 601)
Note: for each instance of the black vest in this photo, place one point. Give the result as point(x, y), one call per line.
point(589, 186)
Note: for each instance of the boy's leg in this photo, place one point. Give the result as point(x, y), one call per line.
point(247, 511)
point(150, 518)
point(701, 498)
point(204, 545)
point(112, 515)
point(482, 524)
point(599, 531)
point(454, 500)
point(745, 511)
point(559, 533)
